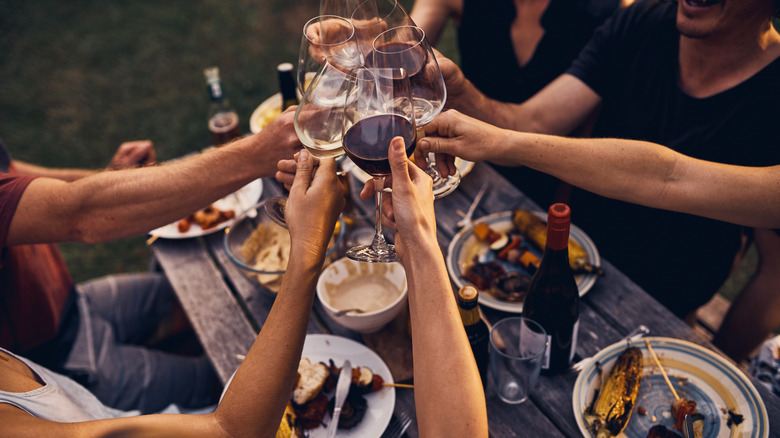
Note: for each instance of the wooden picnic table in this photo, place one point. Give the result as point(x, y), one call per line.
point(227, 309)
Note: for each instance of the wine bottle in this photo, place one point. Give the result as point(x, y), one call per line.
point(476, 329)
point(223, 119)
point(553, 299)
point(287, 85)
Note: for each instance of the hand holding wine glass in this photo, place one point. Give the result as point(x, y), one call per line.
point(381, 110)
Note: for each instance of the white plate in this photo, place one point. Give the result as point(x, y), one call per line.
point(464, 246)
point(709, 379)
point(238, 201)
point(269, 109)
point(464, 167)
point(322, 348)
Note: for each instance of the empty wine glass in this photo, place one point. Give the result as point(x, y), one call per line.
point(341, 8)
point(324, 36)
point(382, 109)
point(407, 47)
point(319, 120)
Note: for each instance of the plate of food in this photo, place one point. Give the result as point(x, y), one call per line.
point(715, 393)
point(265, 112)
point(214, 217)
point(369, 405)
point(499, 253)
point(464, 167)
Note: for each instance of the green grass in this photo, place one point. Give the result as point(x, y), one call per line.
point(80, 77)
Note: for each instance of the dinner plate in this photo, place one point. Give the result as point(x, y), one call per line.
point(237, 201)
point(464, 167)
point(322, 348)
point(265, 112)
point(697, 373)
point(465, 245)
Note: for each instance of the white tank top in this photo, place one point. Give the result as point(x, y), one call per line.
point(59, 399)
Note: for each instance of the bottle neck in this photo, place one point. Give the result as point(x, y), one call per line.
point(469, 312)
point(215, 91)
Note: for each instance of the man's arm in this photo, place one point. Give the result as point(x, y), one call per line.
point(111, 205)
point(628, 170)
point(254, 402)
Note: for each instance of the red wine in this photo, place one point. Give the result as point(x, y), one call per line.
point(367, 141)
point(553, 298)
point(395, 54)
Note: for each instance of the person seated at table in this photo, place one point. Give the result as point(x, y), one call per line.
point(36, 402)
point(511, 49)
point(95, 331)
point(699, 78)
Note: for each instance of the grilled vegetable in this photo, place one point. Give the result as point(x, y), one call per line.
point(611, 408)
point(535, 229)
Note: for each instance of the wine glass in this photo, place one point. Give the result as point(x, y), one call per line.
point(407, 46)
point(382, 109)
point(319, 119)
point(372, 17)
point(324, 36)
point(341, 8)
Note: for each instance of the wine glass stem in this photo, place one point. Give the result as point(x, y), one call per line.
point(379, 238)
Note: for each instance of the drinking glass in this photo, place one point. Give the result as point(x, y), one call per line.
point(372, 17)
point(324, 36)
point(382, 108)
point(319, 120)
point(407, 47)
point(341, 8)
point(517, 348)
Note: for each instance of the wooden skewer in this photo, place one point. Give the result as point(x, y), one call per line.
point(152, 238)
point(658, 362)
point(398, 385)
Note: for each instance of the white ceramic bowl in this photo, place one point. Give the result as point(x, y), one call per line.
point(378, 288)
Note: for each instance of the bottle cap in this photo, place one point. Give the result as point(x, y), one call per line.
point(468, 293)
point(211, 74)
point(285, 66)
point(558, 222)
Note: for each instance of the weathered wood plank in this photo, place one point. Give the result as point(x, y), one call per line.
point(219, 322)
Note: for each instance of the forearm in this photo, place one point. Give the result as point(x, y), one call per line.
point(448, 391)
point(653, 175)
point(109, 205)
point(23, 168)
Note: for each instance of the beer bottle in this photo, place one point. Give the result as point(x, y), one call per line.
point(287, 85)
point(223, 119)
point(476, 329)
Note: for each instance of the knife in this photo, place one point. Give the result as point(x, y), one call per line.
point(342, 389)
point(688, 427)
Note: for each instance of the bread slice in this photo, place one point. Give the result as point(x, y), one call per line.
point(311, 378)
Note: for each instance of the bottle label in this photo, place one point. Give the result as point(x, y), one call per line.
point(215, 90)
point(546, 359)
point(574, 340)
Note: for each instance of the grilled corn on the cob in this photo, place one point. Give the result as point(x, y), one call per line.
point(611, 409)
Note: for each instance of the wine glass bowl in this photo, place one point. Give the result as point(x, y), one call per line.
point(372, 17)
point(381, 110)
point(324, 36)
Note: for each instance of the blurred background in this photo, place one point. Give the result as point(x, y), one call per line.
point(79, 77)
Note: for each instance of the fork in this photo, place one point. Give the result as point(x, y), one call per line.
point(398, 426)
point(467, 217)
point(637, 333)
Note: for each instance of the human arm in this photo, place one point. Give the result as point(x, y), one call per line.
point(129, 154)
point(121, 203)
point(755, 312)
point(255, 400)
point(441, 351)
point(628, 170)
point(432, 15)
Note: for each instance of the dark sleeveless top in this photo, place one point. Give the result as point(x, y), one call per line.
point(488, 60)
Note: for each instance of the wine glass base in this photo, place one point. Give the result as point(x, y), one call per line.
point(370, 254)
point(274, 207)
point(443, 187)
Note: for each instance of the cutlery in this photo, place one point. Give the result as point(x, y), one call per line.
point(637, 333)
point(398, 426)
point(342, 388)
point(467, 218)
point(688, 428)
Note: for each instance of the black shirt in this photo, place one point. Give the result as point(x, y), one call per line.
point(632, 63)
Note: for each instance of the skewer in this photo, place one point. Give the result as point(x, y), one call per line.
point(398, 385)
point(660, 367)
point(152, 239)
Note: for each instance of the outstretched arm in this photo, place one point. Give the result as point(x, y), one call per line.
point(633, 171)
point(254, 402)
point(441, 351)
point(110, 205)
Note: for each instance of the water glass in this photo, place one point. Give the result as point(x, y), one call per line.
point(517, 347)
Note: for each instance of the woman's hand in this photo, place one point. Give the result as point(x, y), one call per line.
point(452, 134)
point(315, 202)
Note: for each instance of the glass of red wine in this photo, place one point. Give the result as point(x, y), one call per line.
point(381, 110)
point(407, 47)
